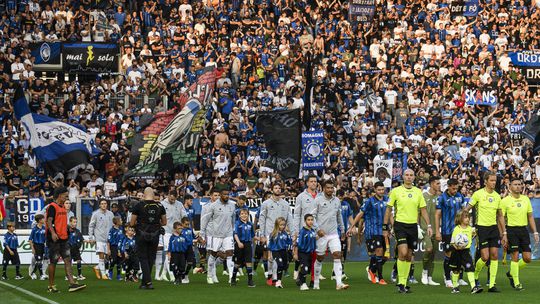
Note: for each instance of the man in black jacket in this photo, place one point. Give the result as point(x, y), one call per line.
point(148, 218)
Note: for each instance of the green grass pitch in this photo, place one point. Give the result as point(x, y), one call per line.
point(360, 291)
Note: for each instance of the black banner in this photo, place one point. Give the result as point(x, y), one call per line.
point(46, 52)
point(90, 58)
point(281, 132)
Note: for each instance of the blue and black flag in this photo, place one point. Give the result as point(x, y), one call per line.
point(531, 131)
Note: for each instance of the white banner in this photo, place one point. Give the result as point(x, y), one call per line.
point(383, 171)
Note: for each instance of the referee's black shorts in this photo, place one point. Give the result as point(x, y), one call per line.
point(406, 234)
point(518, 239)
point(488, 236)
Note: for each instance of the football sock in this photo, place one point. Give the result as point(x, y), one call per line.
point(158, 262)
point(493, 267)
point(514, 271)
point(478, 268)
point(230, 265)
point(296, 265)
point(411, 270)
point(101, 267)
point(402, 272)
point(373, 264)
point(521, 263)
point(380, 267)
point(446, 266)
point(79, 268)
point(211, 266)
point(338, 271)
point(470, 276)
point(274, 269)
point(318, 268)
point(249, 273)
point(455, 278)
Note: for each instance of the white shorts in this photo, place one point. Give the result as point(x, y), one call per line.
point(164, 241)
point(101, 247)
point(331, 242)
point(219, 244)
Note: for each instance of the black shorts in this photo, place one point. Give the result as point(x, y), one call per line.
point(75, 253)
point(377, 241)
point(14, 259)
point(518, 239)
point(243, 255)
point(461, 259)
point(259, 251)
point(406, 234)
point(446, 240)
point(57, 250)
point(39, 250)
point(488, 236)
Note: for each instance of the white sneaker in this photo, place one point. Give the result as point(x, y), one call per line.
point(295, 275)
point(215, 280)
point(43, 277)
point(171, 275)
point(266, 274)
point(33, 276)
point(209, 280)
point(462, 282)
point(81, 277)
point(278, 284)
point(342, 287)
point(304, 287)
point(158, 278)
point(431, 282)
point(185, 280)
point(316, 287)
point(65, 278)
point(164, 277)
point(367, 271)
point(344, 277)
point(225, 273)
point(412, 280)
point(321, 277)
point(448, 284)
point(424, 279)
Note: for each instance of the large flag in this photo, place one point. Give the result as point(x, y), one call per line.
point(281, 133)
point(308, 95)
point(57, 145)
point(531, 131)
point(173, 135)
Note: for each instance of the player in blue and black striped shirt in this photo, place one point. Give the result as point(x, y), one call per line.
point(75, 241)
point(305, 246)
point(244, 234)
point(37, 243)
point(114, 240)
point(279, 242)
point(129, 250)
point(372, 213)
point(448, 205)
point(11, 243)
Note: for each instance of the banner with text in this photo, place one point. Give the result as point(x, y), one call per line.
point(312, 150)
point(26, 210)
point(486, 96)
point(383, 171)
point(464, 8)
point(529, 62)
point(90, 58)
point(361, 10)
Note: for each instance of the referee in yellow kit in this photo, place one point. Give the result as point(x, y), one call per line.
point(490, 226)
point(406, 201)
point(518, 211)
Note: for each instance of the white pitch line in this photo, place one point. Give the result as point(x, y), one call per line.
point(13, 287)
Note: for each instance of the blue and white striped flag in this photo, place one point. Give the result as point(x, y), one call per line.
point(57, 145)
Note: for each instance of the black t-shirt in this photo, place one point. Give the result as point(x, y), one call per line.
point(148, 215)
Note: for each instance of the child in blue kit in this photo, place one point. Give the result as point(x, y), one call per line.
point(114, 241)
point(11, 242)
point(304, 248)
point(243, 254)
point(280, 240)
point(181, 254)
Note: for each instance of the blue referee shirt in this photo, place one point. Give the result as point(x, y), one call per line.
point(37, 236)
point(374, 210)
point(307, 240)
point(449, 206)
point(11, 241)
point(281, 241)
point(244, 231)
point(115, 236)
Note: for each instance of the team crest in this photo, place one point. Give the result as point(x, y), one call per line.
point(519, 205)
point(490, 200)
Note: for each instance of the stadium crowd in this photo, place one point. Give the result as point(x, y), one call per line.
point(385, 89)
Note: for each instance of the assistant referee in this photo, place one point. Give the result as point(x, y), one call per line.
point(406, 201)
point(489, 227)
point(518, 210)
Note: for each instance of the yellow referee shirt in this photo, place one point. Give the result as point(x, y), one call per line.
point(516, 210)
point(488, 203)
point(407, 202)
